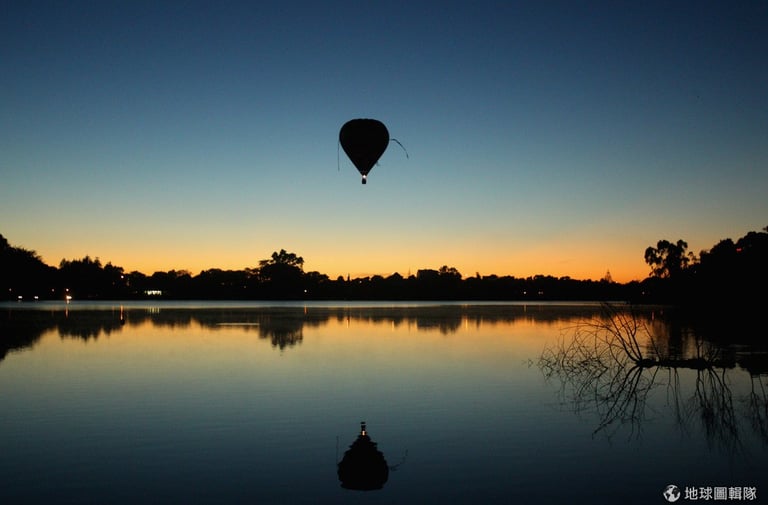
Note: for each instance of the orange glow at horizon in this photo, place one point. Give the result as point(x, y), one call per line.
point(578, 262)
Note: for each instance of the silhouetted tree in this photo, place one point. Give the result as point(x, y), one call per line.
point(23, 273)
point(172, 284)
point(668, 260)
point(732, 272)
point(283, 258)
point(317, 285)
point(87, 278)
point(136, 283)
point(282, 275)
point(221, 284)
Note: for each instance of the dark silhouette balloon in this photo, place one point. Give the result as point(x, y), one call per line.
point(363, 467)
point(364, 141)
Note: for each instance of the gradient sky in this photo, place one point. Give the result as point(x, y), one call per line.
point(555, 138)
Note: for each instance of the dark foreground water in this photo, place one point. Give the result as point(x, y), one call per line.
point(482, 404)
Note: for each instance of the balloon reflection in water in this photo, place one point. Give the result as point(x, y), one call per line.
point(363, 466)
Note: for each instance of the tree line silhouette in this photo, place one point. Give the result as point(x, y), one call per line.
point(732, 272)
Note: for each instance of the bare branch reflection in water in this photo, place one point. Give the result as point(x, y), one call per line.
point(757, 406)
point(598, 364)
point(610, 365)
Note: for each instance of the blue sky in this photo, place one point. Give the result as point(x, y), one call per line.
point(556, 138)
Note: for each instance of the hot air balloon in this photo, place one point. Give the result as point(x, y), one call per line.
point(364, 141)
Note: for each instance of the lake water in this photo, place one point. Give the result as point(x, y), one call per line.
point(259, 403)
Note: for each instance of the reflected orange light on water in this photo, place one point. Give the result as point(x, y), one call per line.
point(159, 346)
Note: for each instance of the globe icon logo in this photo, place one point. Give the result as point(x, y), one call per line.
point(671, 493)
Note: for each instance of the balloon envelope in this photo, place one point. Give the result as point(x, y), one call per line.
point(364, 141)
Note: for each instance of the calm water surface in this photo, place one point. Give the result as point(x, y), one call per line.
point(258, 403)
